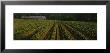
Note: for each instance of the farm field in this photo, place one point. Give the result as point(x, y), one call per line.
point(32, 29)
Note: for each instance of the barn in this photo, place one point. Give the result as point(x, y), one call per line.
point(34, 17)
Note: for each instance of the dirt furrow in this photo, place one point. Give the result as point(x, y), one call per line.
point(49, 33)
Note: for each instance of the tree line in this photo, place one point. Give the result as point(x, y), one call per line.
point(92, 17)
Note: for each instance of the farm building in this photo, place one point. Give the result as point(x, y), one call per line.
point(35, 17)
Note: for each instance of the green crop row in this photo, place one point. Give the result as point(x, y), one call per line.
point(32, 29)
point(89, 29)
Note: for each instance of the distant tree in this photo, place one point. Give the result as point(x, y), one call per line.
point(92, 17)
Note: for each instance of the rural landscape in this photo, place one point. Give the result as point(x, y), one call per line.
point(55, 26)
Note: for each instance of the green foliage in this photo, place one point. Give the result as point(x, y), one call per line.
point(32, 29)
point(88, 17)
point(89, 29)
